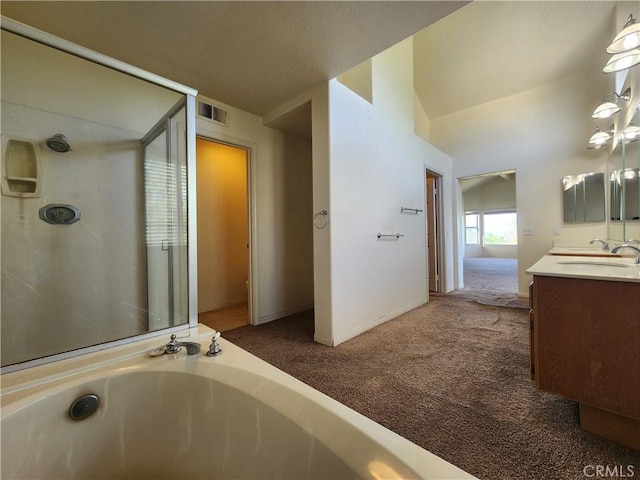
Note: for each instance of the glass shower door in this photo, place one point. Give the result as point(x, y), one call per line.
point(165, 191)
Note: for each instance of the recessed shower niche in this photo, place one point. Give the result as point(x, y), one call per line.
point(94, 207)
point(21, 168)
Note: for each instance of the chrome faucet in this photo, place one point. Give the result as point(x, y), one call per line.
point(174, 346)
point(605, 245)
point(632, 240)
point(636, 250)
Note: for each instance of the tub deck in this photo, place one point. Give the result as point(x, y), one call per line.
point(179, 416)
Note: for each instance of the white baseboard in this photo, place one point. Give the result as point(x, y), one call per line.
point(323, 340)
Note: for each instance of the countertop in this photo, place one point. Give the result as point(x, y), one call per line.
point(616, 269)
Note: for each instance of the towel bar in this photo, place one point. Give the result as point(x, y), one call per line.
point(396, 235)
point(414, 210)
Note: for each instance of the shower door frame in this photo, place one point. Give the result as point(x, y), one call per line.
point(172, 150)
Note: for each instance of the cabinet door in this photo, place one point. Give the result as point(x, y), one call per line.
point(588, 341)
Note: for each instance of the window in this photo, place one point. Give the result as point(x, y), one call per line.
point(500, 228)
point(471, 224)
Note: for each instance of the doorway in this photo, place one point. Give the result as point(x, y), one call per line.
point(222, 182)
point(434, 242)
point(490, 261)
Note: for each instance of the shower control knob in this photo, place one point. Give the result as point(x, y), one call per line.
point(57, 214)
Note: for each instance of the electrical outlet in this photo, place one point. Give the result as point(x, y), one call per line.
point(527, 230)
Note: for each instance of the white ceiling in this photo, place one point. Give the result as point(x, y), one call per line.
point(252, 55)
point(489, 50)
point(258, 55)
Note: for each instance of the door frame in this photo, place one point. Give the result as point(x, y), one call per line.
point(252, 274)
point(438, 241)
point(173, 144)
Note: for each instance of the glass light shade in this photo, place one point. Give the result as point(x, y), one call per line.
point(592, 146)
point(631, 133)
point(599, 138)
point(627, 39)
point(622, 61)
point(605, 110)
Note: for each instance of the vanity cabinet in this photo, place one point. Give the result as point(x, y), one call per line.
point(585, 346)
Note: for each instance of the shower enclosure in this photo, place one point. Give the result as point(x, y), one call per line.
point(98, 252)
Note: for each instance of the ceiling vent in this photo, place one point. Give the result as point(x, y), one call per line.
point(214, 114)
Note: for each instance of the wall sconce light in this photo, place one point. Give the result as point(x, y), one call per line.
point(627, 39)
point(625, 48)
point(609, 105)
point(599, 139)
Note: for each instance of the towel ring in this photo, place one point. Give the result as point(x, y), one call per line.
point(324, 214)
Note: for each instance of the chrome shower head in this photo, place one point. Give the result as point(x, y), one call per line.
point(58, 143)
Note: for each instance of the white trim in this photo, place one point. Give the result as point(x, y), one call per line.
point(45, 38)
point(440, 234)
point(323, 341)
point(192, 213)
point(250, 149)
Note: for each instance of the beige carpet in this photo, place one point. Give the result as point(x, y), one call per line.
point(453, 377)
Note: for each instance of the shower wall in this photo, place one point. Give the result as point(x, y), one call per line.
point(71, 286)
point(68, 286)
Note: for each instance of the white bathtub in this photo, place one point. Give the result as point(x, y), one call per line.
point(192, 417)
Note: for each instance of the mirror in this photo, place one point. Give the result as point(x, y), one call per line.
point(94, 203)
point(632, 226)
point(624, 162)
point(625, 194)
point(624, 181)
point(583, 198)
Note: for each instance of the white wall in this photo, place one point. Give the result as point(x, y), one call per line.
point(376, 164)
point(281, 203)
point(541, 133)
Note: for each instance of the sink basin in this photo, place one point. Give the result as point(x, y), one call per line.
point(595, 262)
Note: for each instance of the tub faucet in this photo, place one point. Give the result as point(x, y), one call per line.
point(174, 346)
point(605, 245)
point(636, 250)
point(632, 240)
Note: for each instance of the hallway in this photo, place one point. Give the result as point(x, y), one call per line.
point(494, 275)
point(492, 281)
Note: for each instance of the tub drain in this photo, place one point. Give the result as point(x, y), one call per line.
point(84, 406)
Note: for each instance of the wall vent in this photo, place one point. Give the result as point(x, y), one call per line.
point(215, 114)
